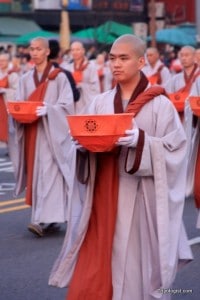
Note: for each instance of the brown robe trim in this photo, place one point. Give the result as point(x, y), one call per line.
point(44, 75)
point(138, 154)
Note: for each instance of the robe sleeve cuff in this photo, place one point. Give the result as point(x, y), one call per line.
point(138, 155)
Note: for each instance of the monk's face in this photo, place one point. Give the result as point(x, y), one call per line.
point(77, 51)
point(152, 56)
point(125, 64)
point(39, 52)
point(187, 57)
point(4, 62)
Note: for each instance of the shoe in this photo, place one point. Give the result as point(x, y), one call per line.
point(51, 228)
point(36, 229)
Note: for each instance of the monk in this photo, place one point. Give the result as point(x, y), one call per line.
point(9, 80)
point(192, 125)
point(130, 237)
point(44, 157)
point(154, 68)
point(85, 75)
point(183, 84)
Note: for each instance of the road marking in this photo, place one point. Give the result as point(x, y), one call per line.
point(6, 203)
point(194, 241)
point(14, 208)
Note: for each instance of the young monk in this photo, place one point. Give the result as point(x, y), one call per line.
point(129, 239)
point(43, 159)
point(154, 69)
point(85, 75)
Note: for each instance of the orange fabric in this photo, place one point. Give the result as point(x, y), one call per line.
point(30, 131)
point(156, 77)
point(153, 79)
point(92, 277)
point(78, 71)
point(3, 121)
point(3, 113)
point(78, 76)
point(196, 180)
point(178, 98)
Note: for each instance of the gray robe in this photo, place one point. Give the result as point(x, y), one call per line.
point(149, 239)
point(54, 152)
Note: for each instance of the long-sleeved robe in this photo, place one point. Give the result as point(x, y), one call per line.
point(149, 239)
point(54, 153)
point(192, 128)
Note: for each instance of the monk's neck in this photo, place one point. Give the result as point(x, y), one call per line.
point(79, 62)
point(128, 88)
point(189, 70)
point(41, 67)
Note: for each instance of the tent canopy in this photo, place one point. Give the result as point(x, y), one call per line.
point(182, 35)
point(11, 28)
point(26, 38)
point(105, 33)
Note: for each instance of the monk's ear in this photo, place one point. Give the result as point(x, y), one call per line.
point(48, 51)
point(141, 62)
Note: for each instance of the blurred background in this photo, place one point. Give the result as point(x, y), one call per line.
point(163, 24)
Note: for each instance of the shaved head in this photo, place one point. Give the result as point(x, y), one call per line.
point(42, 40)
point(138, 46)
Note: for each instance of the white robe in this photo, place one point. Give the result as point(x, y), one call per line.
point(89, 87)
point(165, 74)
point(149, 239)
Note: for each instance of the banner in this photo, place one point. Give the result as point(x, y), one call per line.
point(57, 4)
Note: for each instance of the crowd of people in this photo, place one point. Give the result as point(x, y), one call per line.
point(125, 237)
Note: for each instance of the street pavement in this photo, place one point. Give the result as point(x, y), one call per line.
point(26, 261)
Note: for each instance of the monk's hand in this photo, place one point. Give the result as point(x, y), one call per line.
point(77, 145)
point(41, 111)
point(131, 138)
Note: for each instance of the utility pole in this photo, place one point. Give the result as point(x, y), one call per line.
point(152, 22)
point(197, 10)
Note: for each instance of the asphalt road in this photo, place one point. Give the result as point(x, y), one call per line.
point(26, 261)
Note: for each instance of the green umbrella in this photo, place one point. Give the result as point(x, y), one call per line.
point(105, 33)
point(26, 38)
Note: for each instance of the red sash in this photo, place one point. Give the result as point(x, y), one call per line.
point(3, 112)
point(156, 77)
point(178, 98)
point(78, 71)
point(30, 131)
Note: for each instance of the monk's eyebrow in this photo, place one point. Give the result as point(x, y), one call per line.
point(119, 55)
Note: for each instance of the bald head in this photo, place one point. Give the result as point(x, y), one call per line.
point(188, 49)
point(136, 44)
point(43, 41)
